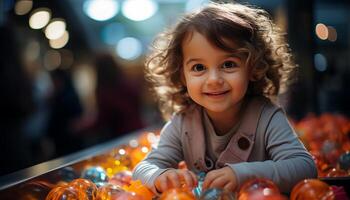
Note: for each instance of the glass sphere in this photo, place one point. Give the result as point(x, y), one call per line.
point(121, 178)
point(178, 194)
point(312, 189)
point(95, 174)
point(216, 194)
point(258, 185)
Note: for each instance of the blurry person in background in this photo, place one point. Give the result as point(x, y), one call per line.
point(66, 110)
point(118, 99)
point(15, 105)
point(35, 125)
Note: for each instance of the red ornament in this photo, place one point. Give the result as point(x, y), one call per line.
point(178, 194)
point(258, 187)
point(312, 189)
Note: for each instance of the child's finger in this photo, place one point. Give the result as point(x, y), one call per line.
point(194, 178)
point(208, 179)
point(174, 179)
point(189, 181)
point(218, 182)
point(230, 187)
point(161, 183)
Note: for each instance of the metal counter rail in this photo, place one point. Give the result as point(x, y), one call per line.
point(24, 175)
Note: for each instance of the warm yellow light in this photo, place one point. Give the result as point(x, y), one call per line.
point(55, 29)
point(23, 7)
point(322, 31)
point(39, 18)
point(60, 42)
point(122, 151)
point(52, 60)
point(332, 36)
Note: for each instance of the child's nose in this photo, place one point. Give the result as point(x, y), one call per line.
point(215, 77)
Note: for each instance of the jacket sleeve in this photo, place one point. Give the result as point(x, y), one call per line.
point(166, 155)
point(289, 162)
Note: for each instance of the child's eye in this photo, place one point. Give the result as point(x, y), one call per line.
point(229, 65)
point(198, 67)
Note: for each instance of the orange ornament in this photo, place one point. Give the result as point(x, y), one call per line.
point(312, 189)
point(259, 187)
point(178, 194)
point(139, 189)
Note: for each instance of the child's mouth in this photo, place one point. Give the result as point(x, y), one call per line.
point(215, 94)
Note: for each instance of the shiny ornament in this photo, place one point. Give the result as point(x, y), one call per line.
point(344, 161)
point(67, 174)
point(137, 154)
point(67, 192)
point(312, 189)
point(95, 174)
point(178, 194)
point(122, 178)
point(128, 196)
point(216, 194)
point(258, 185)
point(34, 190)
point(86, 186)
point(197, 191)
point(139, 189)
point(109, 192)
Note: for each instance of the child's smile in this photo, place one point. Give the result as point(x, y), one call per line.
point(216, 94)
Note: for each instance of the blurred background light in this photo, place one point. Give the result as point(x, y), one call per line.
point(60, 42)
point(39, 18)
point(67, 58)
point(139, 10)
point(22, 7)
point(321, 31)
point(129, 48)
point(55, 29)
point(112, 33)
point(320, 62)
point(332, 34)
point(101, 10)
point(52, 59)
point(194, 4)
point(32, 50)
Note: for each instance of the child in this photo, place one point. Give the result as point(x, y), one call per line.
point(218, 74)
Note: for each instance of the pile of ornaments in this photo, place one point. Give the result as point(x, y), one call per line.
point(327, 137)
point(108, 176)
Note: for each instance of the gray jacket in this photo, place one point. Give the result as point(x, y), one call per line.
point(265, 145)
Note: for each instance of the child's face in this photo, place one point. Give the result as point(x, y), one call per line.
point(215, 79)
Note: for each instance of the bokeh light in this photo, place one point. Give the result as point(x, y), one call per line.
point(60, 42)
point(55, 29)
point(332, 36)
point(101, 10)
point(320, 62)
point(39, 18)
point(194, 4)
point(23, 7)
point(139, 10)
point(112, 33)
point(129, 48)
point(322, 31)
point(52, 60)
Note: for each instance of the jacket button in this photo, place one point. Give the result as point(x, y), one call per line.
point(243, 143)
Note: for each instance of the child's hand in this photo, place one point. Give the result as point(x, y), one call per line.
point(175, 178)
point(224, 178)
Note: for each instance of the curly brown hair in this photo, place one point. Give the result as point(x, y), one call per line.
point(262, 43)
